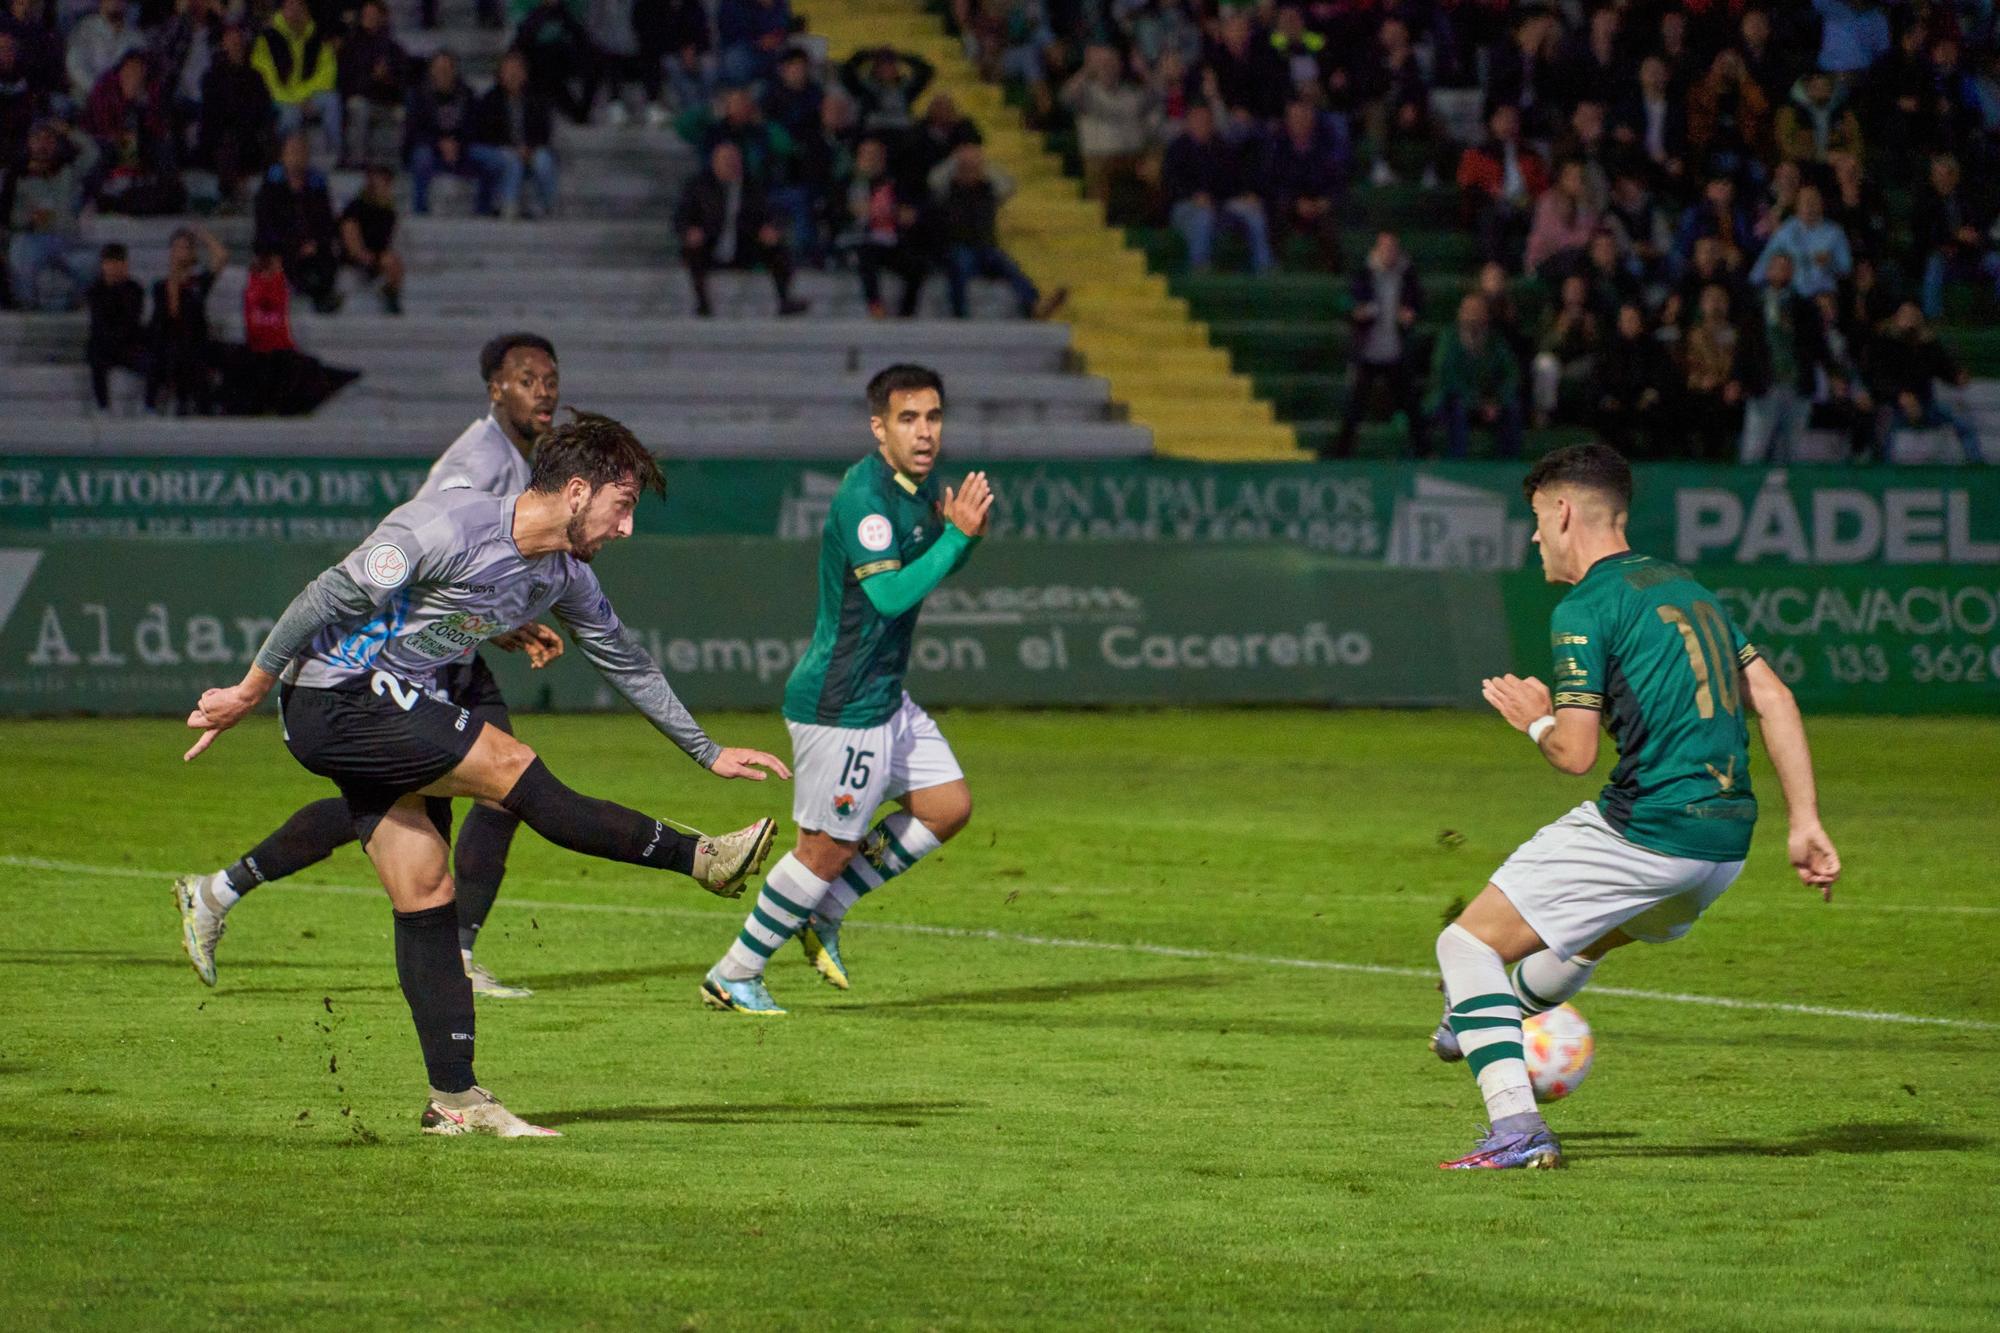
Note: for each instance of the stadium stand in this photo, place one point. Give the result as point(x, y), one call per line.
point(1602, 142)
point(603, 278)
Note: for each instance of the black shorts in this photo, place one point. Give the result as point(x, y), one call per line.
point(378, 739)
point(470, 684)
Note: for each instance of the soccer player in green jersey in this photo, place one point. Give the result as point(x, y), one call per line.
point(1647, 653)
point(858, 739)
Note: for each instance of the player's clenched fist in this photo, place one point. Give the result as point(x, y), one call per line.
point(1813, 856)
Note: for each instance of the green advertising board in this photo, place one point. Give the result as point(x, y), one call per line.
point(1402, 515)
point(139, 627)
point(134, 626)
point(1883, 639)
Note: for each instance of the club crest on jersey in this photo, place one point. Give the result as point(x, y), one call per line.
point(875, 534)
point(387, 566)
point(843, 805)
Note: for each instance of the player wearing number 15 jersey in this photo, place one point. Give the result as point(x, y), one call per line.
point(857, 738)
point(1645, 651)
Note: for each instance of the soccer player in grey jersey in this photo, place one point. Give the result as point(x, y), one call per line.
point(358, 651)
point(523, 386)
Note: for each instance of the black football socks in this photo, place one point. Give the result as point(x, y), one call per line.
point(306, 839)
point(439, 993)
point(478, 863)
point(597, 828)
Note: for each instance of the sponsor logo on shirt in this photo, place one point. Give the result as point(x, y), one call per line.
point(387, 566)
point(454, 634)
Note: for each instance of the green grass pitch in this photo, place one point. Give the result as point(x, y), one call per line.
point(1019, 1117)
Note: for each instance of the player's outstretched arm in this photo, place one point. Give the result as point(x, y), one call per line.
point(222, 708)
point(322, 602)
point(1566, 737)
point(1811, 850)
point(623, 661)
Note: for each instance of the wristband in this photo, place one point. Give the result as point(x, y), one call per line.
point(1541, 727)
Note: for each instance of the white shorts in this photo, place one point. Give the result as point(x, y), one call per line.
point(841, 774)
point(1578, 880)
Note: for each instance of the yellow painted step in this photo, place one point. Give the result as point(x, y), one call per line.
point(1126, 325)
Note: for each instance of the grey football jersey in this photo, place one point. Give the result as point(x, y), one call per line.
point(482, 458)
point(437, 578)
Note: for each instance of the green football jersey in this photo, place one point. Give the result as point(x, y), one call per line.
point(852, 671)
point(1641, 642)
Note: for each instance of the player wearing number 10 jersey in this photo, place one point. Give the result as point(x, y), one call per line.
point(1644, 650)
point(857, 738)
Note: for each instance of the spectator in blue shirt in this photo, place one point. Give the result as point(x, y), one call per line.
point(1853, 35)
point(1817, 248)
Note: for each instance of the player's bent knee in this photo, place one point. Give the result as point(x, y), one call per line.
point(493, 766)
point(826, 857)
point(950, 822)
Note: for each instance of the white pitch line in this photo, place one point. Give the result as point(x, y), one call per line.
point(1097, 946)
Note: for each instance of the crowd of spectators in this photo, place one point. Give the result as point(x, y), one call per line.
point(160, 107)
point(854, 167)
point(1629, 173)
point(1749, 214)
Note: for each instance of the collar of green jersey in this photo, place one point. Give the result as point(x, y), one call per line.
point(1616, 557)
point(909, 484)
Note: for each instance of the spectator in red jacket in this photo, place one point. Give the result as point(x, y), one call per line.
point(1501, 179)
point(127, 115)
point(273, 376)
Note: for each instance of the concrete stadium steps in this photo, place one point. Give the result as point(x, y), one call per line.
point(602, 278)
point(586, 344)
point(830, 438)
point(435, 243)
point(391, 390)
point(1171, 381)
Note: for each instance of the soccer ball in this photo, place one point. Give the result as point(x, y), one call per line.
point(1559, 1049)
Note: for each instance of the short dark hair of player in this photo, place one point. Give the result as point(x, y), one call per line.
point(495, 352)
point(901, 378)
point(601, 451)
point(1595, 466)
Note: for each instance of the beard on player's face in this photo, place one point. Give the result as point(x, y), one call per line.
point(578, 533)
point(605, 511)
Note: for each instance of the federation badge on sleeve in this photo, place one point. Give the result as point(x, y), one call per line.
point(875, 534)
point(387, 565)
point(843, 805)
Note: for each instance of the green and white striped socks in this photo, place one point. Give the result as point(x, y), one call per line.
point(903, 841)
point(1486, 1018)
point(1543, 981)
point(789, 895)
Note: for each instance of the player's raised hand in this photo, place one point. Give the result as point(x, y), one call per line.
point(221, 709)
point(542, 644)
point(1813, 856)
point(986, 502)
point(1519, 701)
point(967, 507)
point(736, 762)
